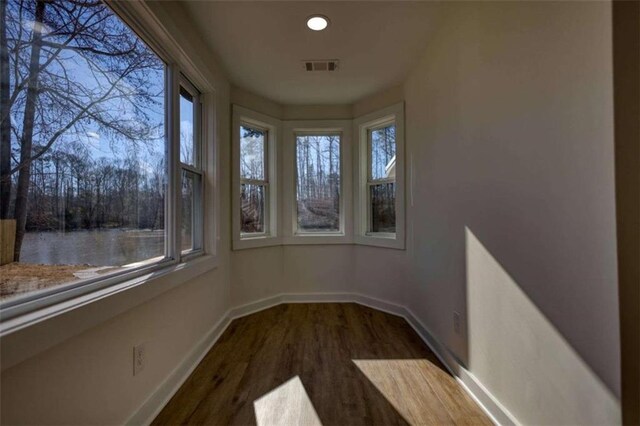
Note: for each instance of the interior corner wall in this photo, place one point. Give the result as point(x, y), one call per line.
point(378, 101)
point(87, 379)
point(511, 222)
point(239, 96)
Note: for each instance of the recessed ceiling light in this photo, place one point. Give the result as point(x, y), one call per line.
point(317, 22)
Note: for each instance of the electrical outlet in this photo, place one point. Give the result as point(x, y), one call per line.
point(456, 322)
point(139, 358)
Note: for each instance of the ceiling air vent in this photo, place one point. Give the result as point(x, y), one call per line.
point(321, 65)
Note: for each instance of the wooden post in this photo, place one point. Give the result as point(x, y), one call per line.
point(7, 240)
point(626, 98)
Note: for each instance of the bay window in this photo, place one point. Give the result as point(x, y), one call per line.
point(318, 187)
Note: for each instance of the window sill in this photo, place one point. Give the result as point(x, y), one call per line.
point(380, 241)
point(256, 242)
point(319, 238)
point(26, 335)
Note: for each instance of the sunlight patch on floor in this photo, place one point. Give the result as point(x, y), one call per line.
point(288, 404)
point(404, 383)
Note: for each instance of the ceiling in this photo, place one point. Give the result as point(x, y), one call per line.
point(261, 45)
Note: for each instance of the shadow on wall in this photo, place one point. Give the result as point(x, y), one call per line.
point(522, 359)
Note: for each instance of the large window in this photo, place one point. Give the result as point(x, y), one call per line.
point(318, 183)
point(90, 187)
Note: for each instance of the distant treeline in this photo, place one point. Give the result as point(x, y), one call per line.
point(70, 191)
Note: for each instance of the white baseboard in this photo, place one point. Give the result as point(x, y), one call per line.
point(154, 404)
point(253, 307)
point(489, 404)
point(316, 297)
point(163, 393)
point(499, 414)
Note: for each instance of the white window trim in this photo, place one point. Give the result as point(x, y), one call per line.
point(291, 129)
point(197, 168)
point(271, 236)
point(38, 306)
point(361, 126)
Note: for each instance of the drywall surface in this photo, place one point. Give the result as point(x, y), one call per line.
point(381, 273)
point(256, 274)
point(509, 126)
point(312, 112)
point(565, 390)
point(255, 102)
point(318, 269)
point(261, 273)
point(88, 378)
point(378, 101)
point(266, 106)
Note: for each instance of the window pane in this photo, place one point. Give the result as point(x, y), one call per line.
point(252, 208)
point(383, 207)
point(96, 183)
point(252, 153)
point(187, 140)
point(191, 208)
point(318, 182)
point(383, 153)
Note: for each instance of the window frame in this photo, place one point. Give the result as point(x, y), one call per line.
point(36, 306)
point(317, 127)
point(197, 230)
point(246, 117)
point(373, 182)
point(265, 182)
point(363, 127)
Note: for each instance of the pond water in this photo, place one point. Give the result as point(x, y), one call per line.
point(99, 247)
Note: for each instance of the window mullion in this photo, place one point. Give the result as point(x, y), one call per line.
point(191, 169)
point(371, 182)
point(244, 181)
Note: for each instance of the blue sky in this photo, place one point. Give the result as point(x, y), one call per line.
point(85, 77)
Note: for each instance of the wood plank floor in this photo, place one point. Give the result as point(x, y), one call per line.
point(329, 364)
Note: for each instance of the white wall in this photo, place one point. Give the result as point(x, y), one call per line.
point(256, 274)
point(510, 221)
point(510, 210)
point(509, 125)
point(87, 378)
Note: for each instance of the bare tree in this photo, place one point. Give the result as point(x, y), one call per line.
point(5, 124)
point(72, 65)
